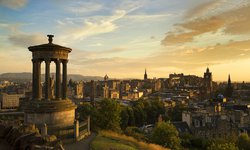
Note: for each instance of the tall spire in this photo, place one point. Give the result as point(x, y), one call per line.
point(229, 79)
point(145, 75)
point(207, 69)
point(229, 89)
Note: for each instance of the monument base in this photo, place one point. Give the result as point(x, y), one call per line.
point(53, 113)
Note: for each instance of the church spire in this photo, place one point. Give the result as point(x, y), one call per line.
point(229, 89)
point(229, 79)
point(145, 75)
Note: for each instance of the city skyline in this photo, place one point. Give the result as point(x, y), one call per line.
point(123, 38)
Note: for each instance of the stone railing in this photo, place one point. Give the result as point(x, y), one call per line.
point(82, 129)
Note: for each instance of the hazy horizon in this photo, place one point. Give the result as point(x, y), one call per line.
point(141, 78)
point(123, 38)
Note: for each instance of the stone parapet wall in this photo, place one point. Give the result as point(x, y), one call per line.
point(42, 106)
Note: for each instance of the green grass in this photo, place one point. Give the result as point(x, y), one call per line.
point(106, 143)
point(107, 140)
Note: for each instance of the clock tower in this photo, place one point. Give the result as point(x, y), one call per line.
point(208, 82)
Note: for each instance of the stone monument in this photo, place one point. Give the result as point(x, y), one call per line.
point(58, 111)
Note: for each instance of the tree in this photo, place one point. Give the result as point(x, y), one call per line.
point(186, 139)
point(223, 146)
point(124, 118)
point(199, 143)
point(88, 110)
point(165, 134)
point(84, 111)
point(176, 112)
point(140, 115)
point(243, 142)
point(109, 115)
point(131, 121)
point(153, 108)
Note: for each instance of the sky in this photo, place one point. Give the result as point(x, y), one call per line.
point(121, 38)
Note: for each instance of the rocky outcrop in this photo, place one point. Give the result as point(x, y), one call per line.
point(26, 137)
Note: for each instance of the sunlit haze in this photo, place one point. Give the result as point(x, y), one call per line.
point(123, 37)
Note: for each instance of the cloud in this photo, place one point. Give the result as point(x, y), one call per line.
point(147, 17)
point(188, 30)
point(83, 54)
point(91, 26)
point(25, 40)
point(13, 4)
point(236, 21)
point(115, 50)
point(192, 57)
point(95, 45)
point(203, 8)
point(80, 7)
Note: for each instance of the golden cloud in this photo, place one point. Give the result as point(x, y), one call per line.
point(235, 21)
point(203, 8)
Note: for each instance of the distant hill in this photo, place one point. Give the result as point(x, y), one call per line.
point(26, 76)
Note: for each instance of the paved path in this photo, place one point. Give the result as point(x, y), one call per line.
point(81, 145)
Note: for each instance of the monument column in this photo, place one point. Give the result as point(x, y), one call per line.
point(34, 86)
point(39, 87)
point(58, 79)
point(47, 79)
point(64, 83)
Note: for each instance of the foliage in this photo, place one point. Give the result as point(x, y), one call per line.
point(139, 113)
point(243, 142)
point(200, 143)
point(105, 115)
point(88, 110)
point(165, 134)
point(84, 111)
point(186, 140)
point(131, 115)
point(136, 133)
point(124, 118)
point(175, 113)
point(223, 146)
point(109, 115)
point(142, 112)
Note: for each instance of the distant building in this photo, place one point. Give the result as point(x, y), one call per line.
point(79, 90)
point(105, 91)
point(93, 91)
point(135, 95)
point(203, 124)
point(9, 101)
point(114, 94)
point(157, 85)
point(175, 80)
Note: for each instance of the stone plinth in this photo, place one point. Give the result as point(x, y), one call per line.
point(55, 113)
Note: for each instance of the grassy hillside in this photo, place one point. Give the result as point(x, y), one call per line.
point(107, 140)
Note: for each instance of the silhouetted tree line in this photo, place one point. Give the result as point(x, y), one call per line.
point(142, 112)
